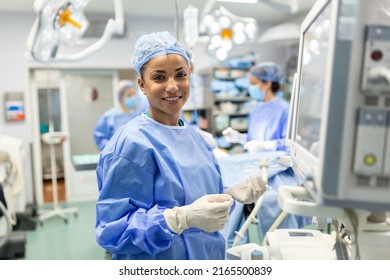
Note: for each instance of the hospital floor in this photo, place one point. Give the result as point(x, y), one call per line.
point(75, 240)
point(57, 240)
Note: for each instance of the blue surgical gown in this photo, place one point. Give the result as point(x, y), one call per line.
point(268, 122)
point(108, 123)
point(146, 168)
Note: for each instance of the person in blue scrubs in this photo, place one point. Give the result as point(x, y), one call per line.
point(161, 194)
point(131, 104)
point(267, 122)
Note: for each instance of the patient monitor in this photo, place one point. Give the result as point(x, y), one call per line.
point(339, 130)
point(339, 134)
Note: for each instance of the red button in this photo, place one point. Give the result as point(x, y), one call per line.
point(376, 55)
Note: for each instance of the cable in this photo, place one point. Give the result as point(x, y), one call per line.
point(341, 243)
point(14, 181)
point(275, 225)
point(263, 164)
point(251, 218)
point(355, 223)
point(176, 2)
point(3, 239)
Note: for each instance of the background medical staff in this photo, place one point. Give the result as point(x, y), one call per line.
point(267, 122)
point(160, 189)
point(131, 104)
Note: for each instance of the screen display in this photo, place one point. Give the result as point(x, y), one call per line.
point(311, 88)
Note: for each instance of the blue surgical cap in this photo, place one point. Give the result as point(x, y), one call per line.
point(156, 44)
point(267, 71)
point(123, 86)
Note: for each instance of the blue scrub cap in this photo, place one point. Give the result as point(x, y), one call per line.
point(267, 71)
point(156, 44)
point(124, 85)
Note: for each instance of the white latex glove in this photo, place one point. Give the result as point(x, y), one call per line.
point(209, 213)
point(234, 136)
point(248, 192)
point(254, 146)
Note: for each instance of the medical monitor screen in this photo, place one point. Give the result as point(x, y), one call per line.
point(311, 87)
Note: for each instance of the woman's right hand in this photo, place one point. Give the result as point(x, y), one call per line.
point(209, 213)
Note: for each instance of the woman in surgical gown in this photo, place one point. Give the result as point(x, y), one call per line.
point(132, 103)
point(267, 122)
point(160, 189)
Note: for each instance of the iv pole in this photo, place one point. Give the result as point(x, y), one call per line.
point(52, 138)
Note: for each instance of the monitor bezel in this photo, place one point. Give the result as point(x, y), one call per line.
point(291, 115)
point(307, 167)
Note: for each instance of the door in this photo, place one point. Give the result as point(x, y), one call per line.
point(87, 95)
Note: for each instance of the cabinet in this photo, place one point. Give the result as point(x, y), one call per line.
point(231, 102)
point(197, 109)
point(199, 117)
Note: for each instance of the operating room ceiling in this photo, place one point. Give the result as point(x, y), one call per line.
point(267, 11)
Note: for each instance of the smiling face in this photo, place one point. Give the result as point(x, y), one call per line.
point(166, 83)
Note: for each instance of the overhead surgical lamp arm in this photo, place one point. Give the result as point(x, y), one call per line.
point(285, 8)
point(207, 7)
point(112, 27)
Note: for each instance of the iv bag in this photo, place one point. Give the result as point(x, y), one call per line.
point(191, 33)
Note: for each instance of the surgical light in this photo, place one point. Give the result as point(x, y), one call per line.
point(63, 22)
point(214, 28)
point(226, 33)
point(238, 27)
point(72, 24)
point(208, 20)
point(250, 28)
point(216, 41)
point(211, 47)
point(239, 38)
point(224, 22)
point(231, 30)
point(227, 45)
point(221, 54)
